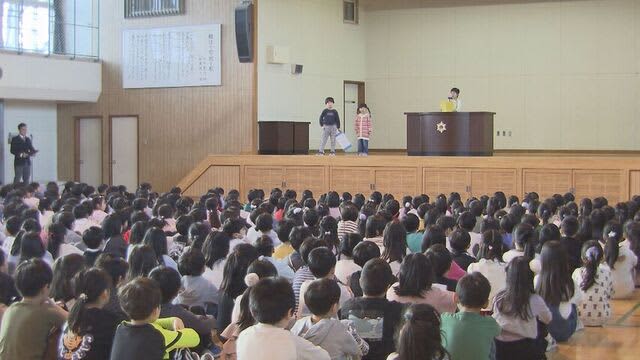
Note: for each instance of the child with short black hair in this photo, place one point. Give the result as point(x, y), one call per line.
point(363, 252)
point(411, 223)
point(322, 264)
point(169, 281)
point(460, 241)
point(272, 303)
point(467, 334)
point(441, 260)
point(196, 290)
point(346, 265)
point(146, 336)
point(322, 329)
point(92, 239)
point(374, 317)
point(569, 229)
point(26, 324)
point(330, 124)
point(348, 220)
point(264, 246)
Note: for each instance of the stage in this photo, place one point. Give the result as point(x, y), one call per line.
point(615, 176)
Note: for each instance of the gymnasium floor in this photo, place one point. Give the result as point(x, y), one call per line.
point(620, 339)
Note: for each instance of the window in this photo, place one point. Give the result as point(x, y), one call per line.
point(142, 8)
point(25, 25)
point(350, 11)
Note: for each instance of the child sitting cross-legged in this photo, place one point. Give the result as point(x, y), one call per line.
point(467, 334)
point(272, 303)
point(322, 328)
point(146, 336)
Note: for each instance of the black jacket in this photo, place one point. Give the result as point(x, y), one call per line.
point(330, 117)
point(22, 149)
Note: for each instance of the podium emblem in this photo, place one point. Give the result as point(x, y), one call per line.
point(441, 127)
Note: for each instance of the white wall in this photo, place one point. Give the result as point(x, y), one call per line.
point(40, 118)
point(34, 77)
point(559, 74)
point(330, 51)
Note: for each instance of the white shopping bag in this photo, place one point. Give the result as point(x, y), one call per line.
point(343, 141)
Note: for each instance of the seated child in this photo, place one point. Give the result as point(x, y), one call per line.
point(146, 336)
point(517, 309)
point(594, 282)
point(26, 324)
point(322, 264)
point(373, 316)
point(363, 252)
point(621, 261)
point(170, 283)
point(460, 241)
point(347, 223)
point(420, 319)
point(264, 245)
point(272, 303)
point(414, 238)
point(467, 334)
point(88, 334)
point(322, 328)
point(346, 265)
point(440, 259)
point(92, 239)
point(196, 290)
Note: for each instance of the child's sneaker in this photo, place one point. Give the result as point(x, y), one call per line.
point(320, 153)
point(332, 154)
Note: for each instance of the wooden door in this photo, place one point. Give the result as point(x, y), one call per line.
point(488, 181)
point(226, 177)
point(354, 180)
point(436, 181)
point(124, 151)
point(89, 150)
point(305, 178)
point(399, 182)
point(263, 177)
point(596, 183)
point(547, 182)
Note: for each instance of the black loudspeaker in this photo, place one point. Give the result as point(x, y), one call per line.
point(244, 32)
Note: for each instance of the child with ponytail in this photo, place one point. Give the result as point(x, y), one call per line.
point(89, 331)
point(524, 239)
point(620, 260)
point(419, 337)
point(594, 281)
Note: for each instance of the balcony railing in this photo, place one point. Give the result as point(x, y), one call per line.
point(67, 28)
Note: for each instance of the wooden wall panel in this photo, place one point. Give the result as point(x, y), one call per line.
point(397, 181)
point(594, 183)
point(436, 181)
point(547, 182)
point(353, 180)
point(263, 177)
point(634, 183)
point(178, 126)
point(488, 181)
point(226, 177)
point(305, 178)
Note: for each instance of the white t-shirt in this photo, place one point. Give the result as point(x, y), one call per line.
point(345, 294)
point(511, 254)
point(622, 273)
point(267, 342)
point(494, 271)
point(215, 274)
point(344, 269)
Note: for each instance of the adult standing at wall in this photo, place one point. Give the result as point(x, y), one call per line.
point(23, 150)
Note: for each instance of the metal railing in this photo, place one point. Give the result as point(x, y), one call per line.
point(67, 28)
point(145, 8)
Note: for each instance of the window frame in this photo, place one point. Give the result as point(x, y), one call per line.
point(356, 12)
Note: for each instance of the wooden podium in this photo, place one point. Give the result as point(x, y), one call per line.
point(450, 134)
point(283, 138)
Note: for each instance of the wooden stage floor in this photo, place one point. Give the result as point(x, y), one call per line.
point(619, 339)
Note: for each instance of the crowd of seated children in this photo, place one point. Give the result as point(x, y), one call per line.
point(98, 273)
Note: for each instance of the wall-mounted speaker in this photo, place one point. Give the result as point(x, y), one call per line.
point(296, 69)
point(244, 31)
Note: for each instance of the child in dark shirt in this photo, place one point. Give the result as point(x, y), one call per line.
point(374, 317)
point(330, 123)
point(88, 333)
point(146, 336)
point(92, 238)
point(460, 241)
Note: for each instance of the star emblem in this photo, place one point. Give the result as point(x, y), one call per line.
point(441, 127)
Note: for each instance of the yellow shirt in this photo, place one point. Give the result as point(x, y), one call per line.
point(282, 251)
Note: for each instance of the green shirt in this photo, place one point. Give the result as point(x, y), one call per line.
point(414, 242)
point(24, 331)
point(468, 335)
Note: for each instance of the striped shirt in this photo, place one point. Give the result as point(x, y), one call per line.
point(346, 227)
